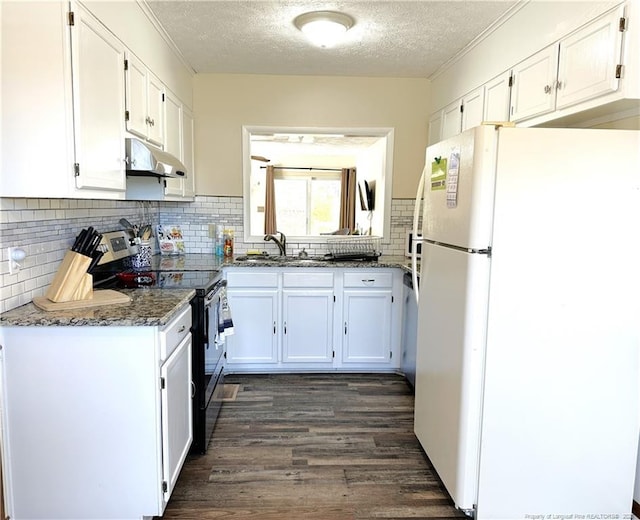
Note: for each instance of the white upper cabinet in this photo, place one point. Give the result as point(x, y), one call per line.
point(63, 88)
point(435, 128)
point(584, 65)
point(155, 109)
point(98, 104)
point(472, 109)
point(589, 59)
point(462, 114)
point(451, 119)
point(173, 140)
point(178, 139)
point(568, 67)
point(145, 102)
point(189, 185)
point(534, 82)
point(497, 94)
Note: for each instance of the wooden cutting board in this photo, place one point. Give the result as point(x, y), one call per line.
point(102, 297)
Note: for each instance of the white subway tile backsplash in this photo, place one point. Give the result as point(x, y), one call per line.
point(46, 228)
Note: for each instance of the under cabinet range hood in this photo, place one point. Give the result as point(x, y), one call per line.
point(146, 160)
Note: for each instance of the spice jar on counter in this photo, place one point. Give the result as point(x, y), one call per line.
point(228, 243)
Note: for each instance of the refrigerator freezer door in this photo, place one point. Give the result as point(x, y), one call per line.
point(450, 356)
point(561, 394)
point(469, 223)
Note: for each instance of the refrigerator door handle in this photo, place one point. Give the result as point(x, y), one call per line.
point(417, 237)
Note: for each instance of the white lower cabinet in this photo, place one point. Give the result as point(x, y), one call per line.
point(253, 299)
point(307, 314)
point(176, 417)
point(367, 312)
point(255, 319)
point(96, 420)
point(314, 319)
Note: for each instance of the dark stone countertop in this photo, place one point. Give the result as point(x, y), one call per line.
point(156, 307)
point(148, 307)
point(384, 261)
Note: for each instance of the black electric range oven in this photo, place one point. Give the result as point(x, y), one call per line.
point(207, 343)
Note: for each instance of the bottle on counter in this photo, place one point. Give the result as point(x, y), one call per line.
point(219, 241)
point(228, 243)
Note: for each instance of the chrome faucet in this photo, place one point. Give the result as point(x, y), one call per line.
point(282, 243)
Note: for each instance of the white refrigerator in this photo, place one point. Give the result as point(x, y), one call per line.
point(527, 380)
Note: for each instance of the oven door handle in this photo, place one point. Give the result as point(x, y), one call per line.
point(205, 336)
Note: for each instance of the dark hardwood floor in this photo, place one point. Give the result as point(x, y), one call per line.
point(325, 447)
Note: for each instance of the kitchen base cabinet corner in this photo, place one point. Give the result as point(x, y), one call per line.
point(96, 424)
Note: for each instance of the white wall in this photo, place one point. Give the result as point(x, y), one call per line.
point(223, 103)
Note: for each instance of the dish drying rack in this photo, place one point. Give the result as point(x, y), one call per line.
point(354, 248)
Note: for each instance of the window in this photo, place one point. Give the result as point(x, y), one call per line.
point(307, 203)
point(307, 193)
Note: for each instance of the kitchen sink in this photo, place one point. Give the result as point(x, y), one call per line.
point(280, 259)
point(302, 260)
point(256, 258)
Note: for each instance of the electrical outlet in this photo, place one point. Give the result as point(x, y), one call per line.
point(15, 255)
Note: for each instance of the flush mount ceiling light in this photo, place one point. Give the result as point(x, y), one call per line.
point(324, 28)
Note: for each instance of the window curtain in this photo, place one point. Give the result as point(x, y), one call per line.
point(270, 204)
point(348, 200)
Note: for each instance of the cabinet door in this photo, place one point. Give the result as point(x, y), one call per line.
point(588, 59)
point(451, 120)
point(136, 96)
point(98, 104)
point(533, 92)
point(155, 110)
point(176, 413)
point(173, 140)
point(307, 326)
point(472, 108)
point(189, 182)
point(255, 319)
point(367, 326)
point(435, 128)
point(497, 94)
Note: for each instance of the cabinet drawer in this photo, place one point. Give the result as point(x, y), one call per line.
point(257, 279)
point(175, 332)
point(368, 279)
point(306, 279)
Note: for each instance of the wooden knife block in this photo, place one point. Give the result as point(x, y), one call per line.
point(71, 282)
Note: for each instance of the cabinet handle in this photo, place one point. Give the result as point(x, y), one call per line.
point(547, 89)
point(193, 389)
point(345, 327)
point(285, 327)
point(558, 85)
point(181, 329)
point(372, 280)
point(153, 122)
point(148, 120)
point(274, 327)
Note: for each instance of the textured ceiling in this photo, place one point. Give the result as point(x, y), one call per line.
point(389, 38)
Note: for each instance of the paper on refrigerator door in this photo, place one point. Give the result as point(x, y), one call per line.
point(438, 174)
point(452, 179)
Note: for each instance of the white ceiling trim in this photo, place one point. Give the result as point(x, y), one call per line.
point(164, 34)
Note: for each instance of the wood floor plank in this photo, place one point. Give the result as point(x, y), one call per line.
point(313, 446)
